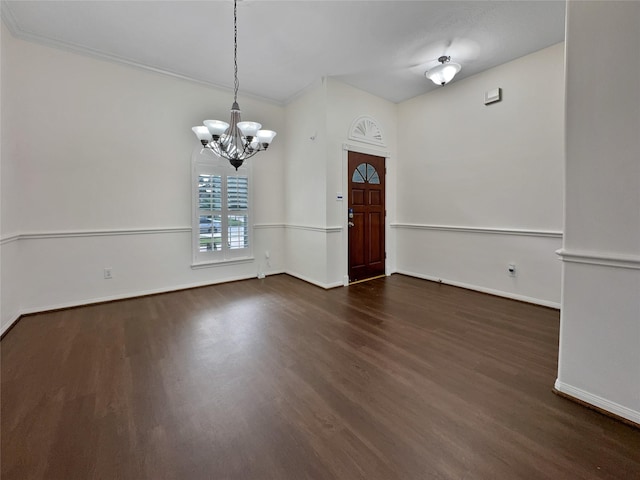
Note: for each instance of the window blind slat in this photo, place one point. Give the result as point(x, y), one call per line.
point(209, 192)
point(237, 192)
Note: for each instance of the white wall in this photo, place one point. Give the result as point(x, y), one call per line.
point(10, 271)
point(100, 154)
point(600, 322)
point(344, 105)
point(305, 185)
point(318, 124)
point(481, 186)
point(116, 179)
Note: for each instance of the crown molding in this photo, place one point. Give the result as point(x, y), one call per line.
point(9, 239)
point(18, 32)
point(303, 91)
point(9, 18)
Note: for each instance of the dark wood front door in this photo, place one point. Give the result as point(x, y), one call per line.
point(366, 216)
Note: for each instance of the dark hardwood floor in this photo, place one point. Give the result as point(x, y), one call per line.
point(396, 378)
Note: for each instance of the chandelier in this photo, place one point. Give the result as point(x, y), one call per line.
point(235, 141)
point(443, 73)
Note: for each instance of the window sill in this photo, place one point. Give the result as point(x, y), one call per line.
point(221, 263)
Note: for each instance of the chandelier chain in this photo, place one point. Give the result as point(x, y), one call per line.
point(235, 141)
point(236, 83)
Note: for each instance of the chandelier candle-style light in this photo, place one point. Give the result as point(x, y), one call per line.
point(443, 73)
point(236, 141)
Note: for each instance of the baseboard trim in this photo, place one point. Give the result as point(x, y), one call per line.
point(597, 403)
point(367, 279)
point(125, 296)
point(326, 286)
point(10, 324)
point(490, 291)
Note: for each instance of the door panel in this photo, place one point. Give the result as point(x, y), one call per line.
point(356, 241)
point(367, 220)
point(375, 251)
point(357, 196)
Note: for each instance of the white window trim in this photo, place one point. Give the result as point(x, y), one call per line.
point(207, 162)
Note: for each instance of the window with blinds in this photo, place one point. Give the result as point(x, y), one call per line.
point(238, 207)
point(209, 212)
point(222, 214)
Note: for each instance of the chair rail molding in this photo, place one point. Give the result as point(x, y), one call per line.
point(119, 231)
point(265, 226)
point(311, 228)
point(94, 233)
point(600, 258)
point(486, 230)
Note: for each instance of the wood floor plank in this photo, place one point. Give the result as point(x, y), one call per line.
point(395, 378)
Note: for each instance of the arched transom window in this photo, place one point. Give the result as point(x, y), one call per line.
point(365, 173)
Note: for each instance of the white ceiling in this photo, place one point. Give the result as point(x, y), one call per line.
point(383, 47)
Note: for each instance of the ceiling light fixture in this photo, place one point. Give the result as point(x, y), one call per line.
point(443, 73)
point(235, 141)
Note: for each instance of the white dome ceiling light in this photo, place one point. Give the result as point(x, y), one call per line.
point(443, 73)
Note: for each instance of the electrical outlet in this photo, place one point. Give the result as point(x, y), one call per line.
point(107, 273)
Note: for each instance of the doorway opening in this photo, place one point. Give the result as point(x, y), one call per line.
point(366, 210)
